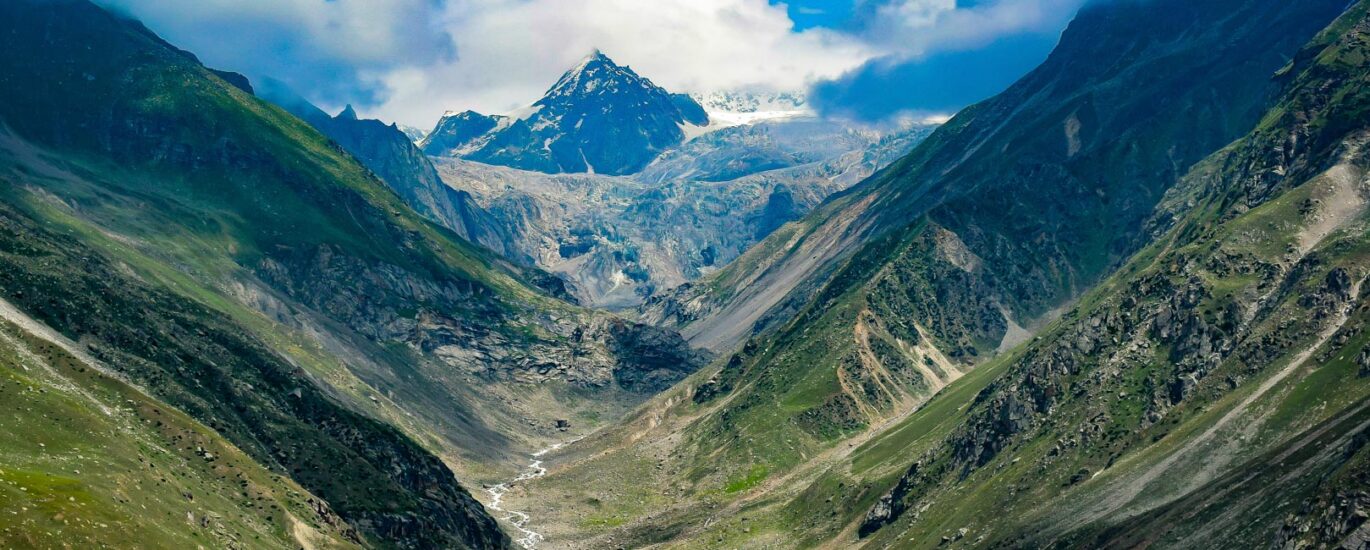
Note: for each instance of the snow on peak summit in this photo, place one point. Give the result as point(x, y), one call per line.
point(597, 73)
point(598, 116)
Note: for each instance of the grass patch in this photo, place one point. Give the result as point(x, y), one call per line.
point(754, 476)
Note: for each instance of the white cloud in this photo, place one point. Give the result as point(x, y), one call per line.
point(912, 28)
point(319, 47)
point(510, 51)
point(361, 31)
point(916, 14)
point(409, 60)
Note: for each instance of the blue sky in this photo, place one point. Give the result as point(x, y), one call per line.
point(411, 60)
point(819, 13)
point(936, 84)
point(940, 75)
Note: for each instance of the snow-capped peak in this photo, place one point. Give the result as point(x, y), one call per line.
point(596, 73)
point(598, 117)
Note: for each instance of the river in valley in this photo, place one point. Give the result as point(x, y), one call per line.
point(519, 520)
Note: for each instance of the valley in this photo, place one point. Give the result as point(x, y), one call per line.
point(1119, 304)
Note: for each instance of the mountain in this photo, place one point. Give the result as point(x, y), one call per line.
point(395, 159)
point(1041, 248)
point(617, 239)
point(84, 449)
point(1121, 304)
point(461, 133)
point(120, 268)
point(748, 101)
point(735, 107)
point(1190, 371)
point(204, 270)
point(414, 134)
point(599, 117)
point(752, 162)
point(1217, 382)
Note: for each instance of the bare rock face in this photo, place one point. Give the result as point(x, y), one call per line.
point(619, 240)
point(653, 359)
point(459, 321)
point(459, 132)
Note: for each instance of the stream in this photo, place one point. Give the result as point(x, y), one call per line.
point(518, 519)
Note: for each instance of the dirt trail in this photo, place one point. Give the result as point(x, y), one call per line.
point(9, 312)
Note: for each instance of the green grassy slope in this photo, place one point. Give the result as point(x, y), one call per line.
point(88, 461)
point(203, 362)
point(137, 181)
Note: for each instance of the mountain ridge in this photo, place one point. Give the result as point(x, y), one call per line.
point(390, 153)
point(599, 117)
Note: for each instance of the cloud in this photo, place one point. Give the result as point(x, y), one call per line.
point(946, 54)
point(939, 83)
point(320, 47)
point(510, 51)
point(409, 60)
point(920, 27)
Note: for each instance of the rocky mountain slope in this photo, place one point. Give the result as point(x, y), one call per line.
point(1095, 120)
point(1213, 392)
point(242, 268)
point(618, 239)
point(892, 400)
point(599, 117)
point(388, 152)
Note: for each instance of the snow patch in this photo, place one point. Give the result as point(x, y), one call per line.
point(589, 168)
point(523, 113)
point(727, 109)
